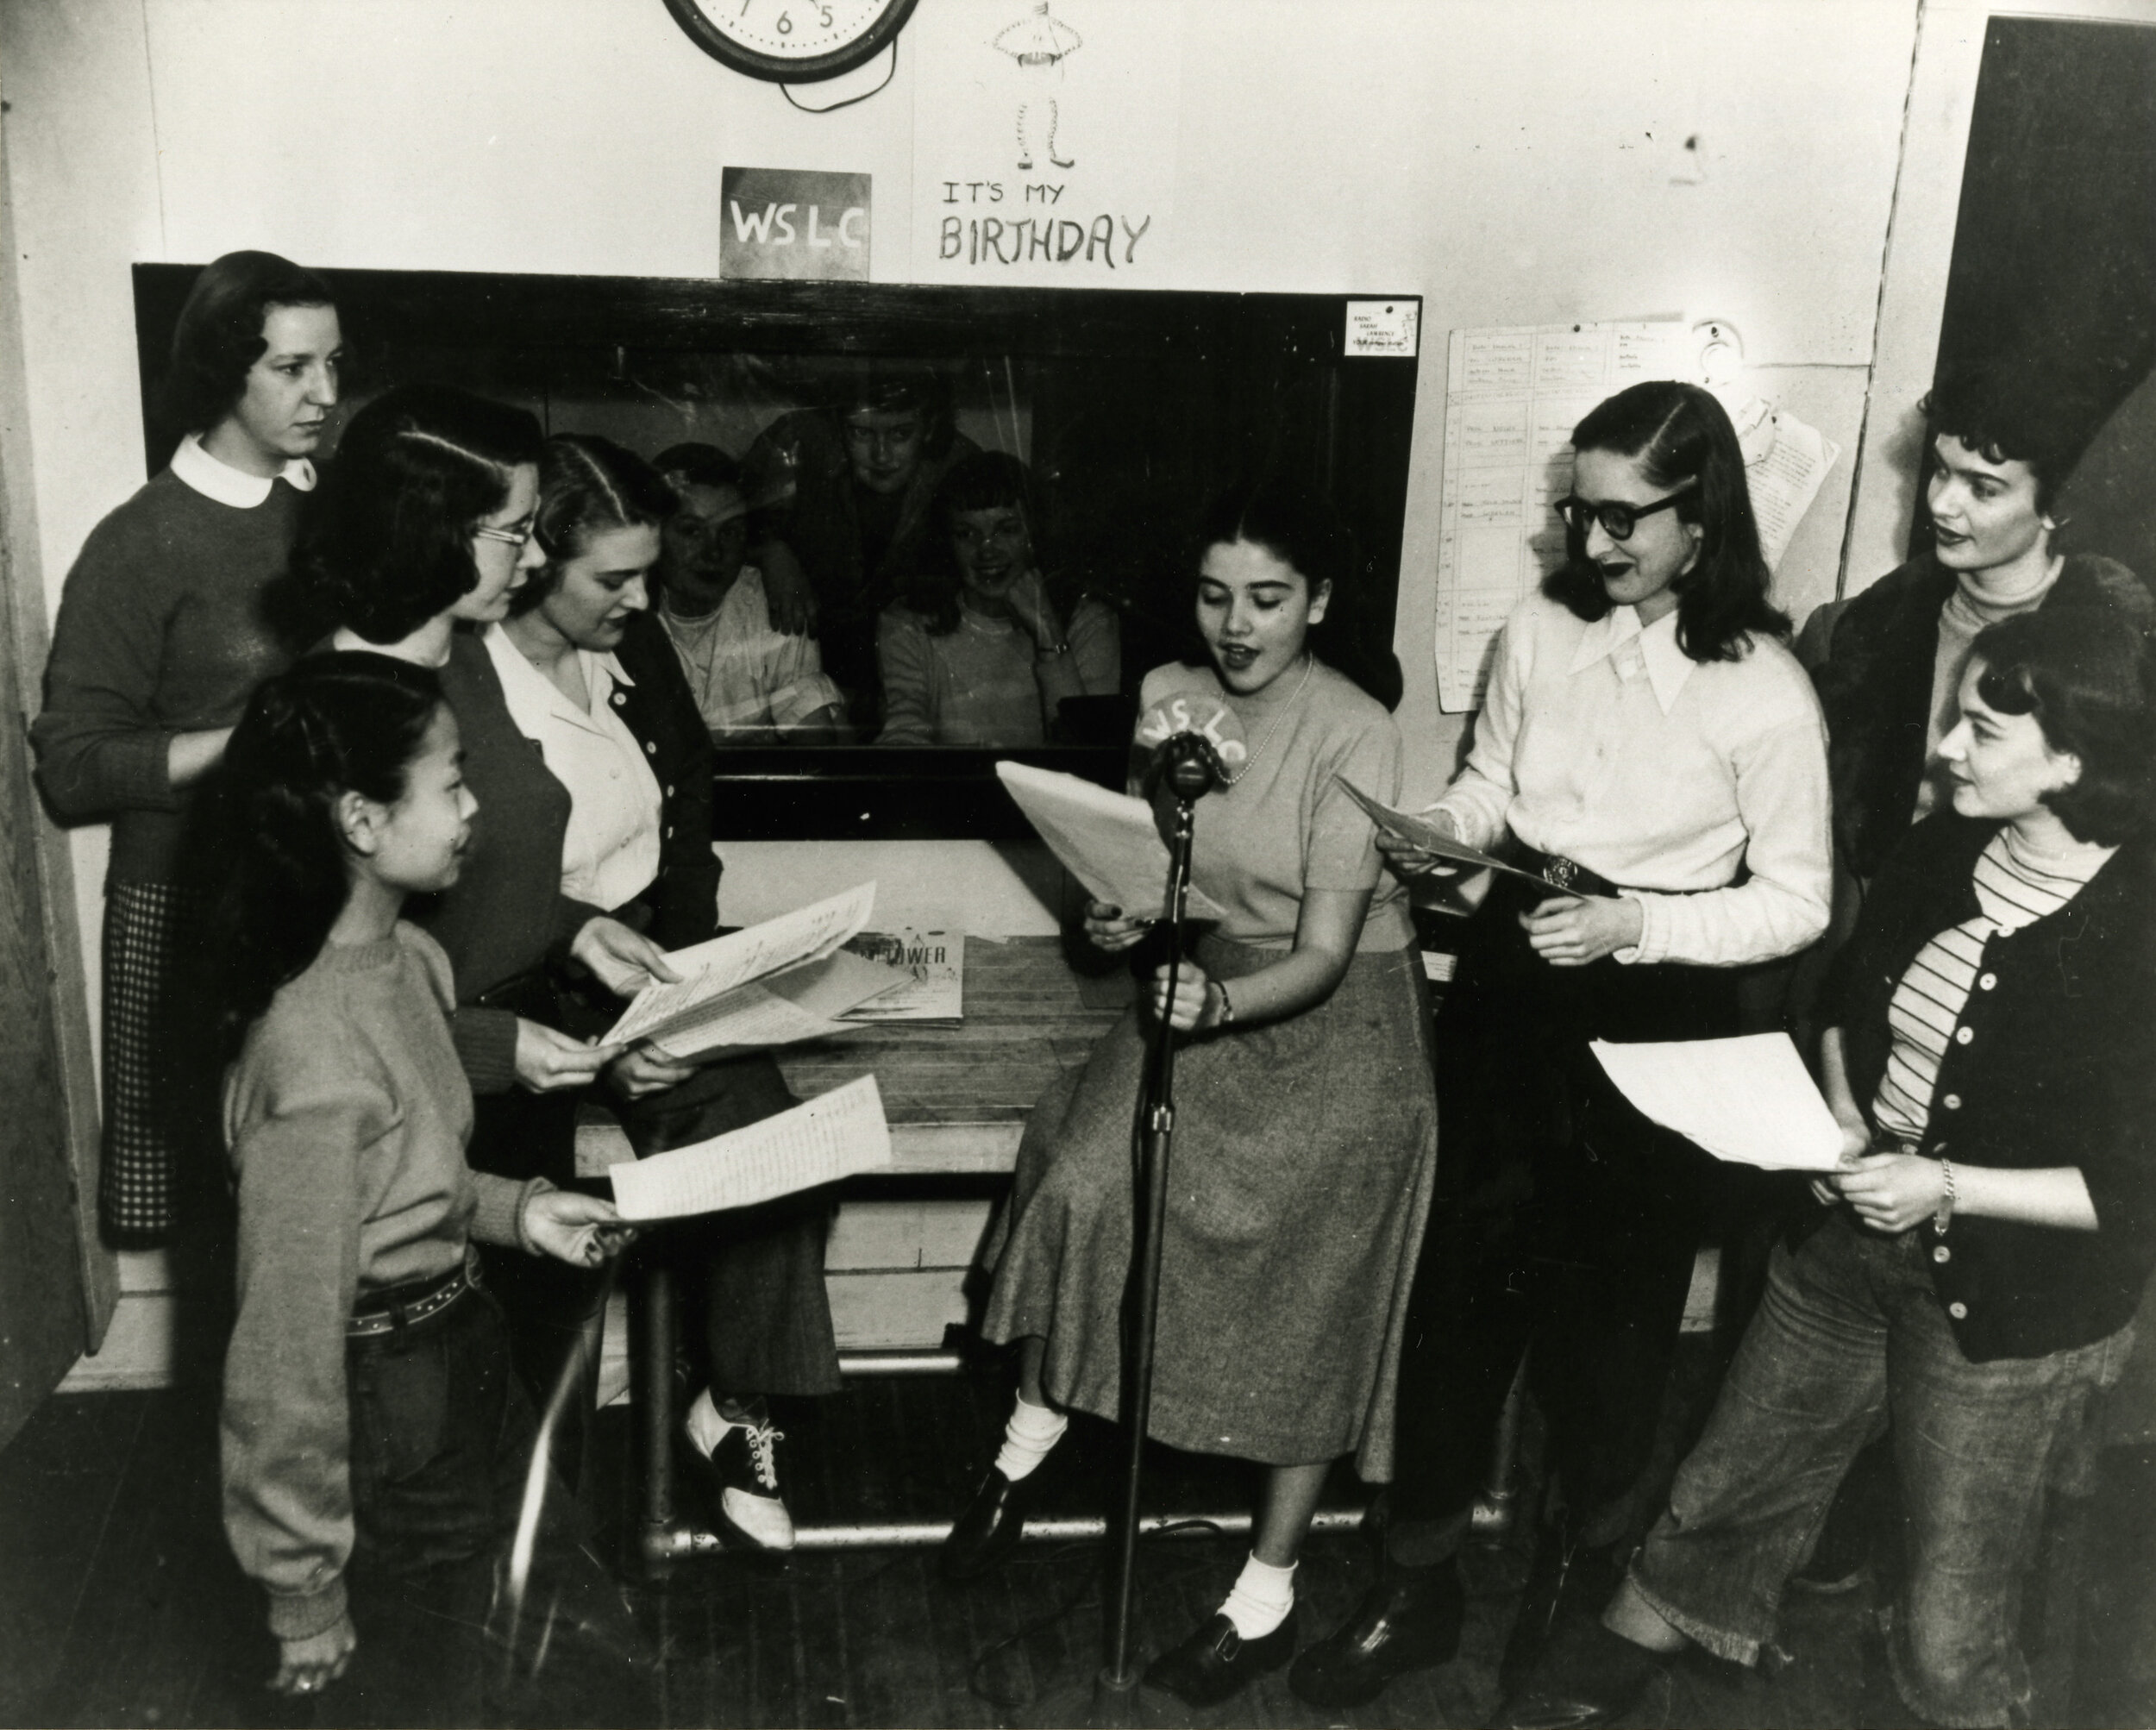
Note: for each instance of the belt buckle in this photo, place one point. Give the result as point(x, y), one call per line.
point(1560, 873)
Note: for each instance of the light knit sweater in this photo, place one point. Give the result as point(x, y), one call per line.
point(347, 1115)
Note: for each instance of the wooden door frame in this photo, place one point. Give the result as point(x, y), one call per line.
point(1919, 249)
point(24, 639)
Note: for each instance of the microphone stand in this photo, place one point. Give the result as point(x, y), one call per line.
point(1190, 771)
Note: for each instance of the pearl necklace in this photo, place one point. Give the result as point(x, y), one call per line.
point(1309, 664)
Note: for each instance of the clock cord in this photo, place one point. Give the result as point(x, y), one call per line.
point(850, 100)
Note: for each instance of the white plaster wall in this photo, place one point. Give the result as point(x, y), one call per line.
point(1514, 162)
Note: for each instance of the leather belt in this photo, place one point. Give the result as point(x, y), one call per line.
point(399, 1307)
point(1566, 876)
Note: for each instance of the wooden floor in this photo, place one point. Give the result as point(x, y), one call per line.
point(120, 1605)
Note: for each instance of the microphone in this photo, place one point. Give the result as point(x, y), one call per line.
point(1190, 743)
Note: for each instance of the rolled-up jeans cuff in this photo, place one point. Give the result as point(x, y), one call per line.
point(1736, 1648)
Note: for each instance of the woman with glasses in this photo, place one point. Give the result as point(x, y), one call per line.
point(1658, 757)
point(1990, 1056)
point(160, 638)
point(419, 536)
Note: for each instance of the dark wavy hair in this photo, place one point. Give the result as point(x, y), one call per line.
point(2088, 676)
point(219, 335)
point(588, 483)
point(2014, 411)
point(271, 864)
point(1298, 525)
point(699, 465)
point(1680, 436)
point(385, 540)
point(986, 480)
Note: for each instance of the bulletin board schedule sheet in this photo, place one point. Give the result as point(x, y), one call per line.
point(1513, 396)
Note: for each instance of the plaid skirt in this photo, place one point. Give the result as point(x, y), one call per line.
point(149, 1111)
point(1305, 1155)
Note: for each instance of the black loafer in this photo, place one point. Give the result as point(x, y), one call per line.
point(988, 1530)
point(1569, 1578)
point(1409, 1619)
point(1586, 1676)
point(1215, 1661)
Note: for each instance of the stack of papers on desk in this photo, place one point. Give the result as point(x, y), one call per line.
point(1749, 1100)
point(930, 991)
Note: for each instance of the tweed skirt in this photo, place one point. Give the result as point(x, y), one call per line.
point(1304, 1158)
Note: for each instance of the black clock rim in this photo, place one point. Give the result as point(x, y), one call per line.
point(723, 48)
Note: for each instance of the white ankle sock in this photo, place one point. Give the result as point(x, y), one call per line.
point(1262, 1596)
point(1032, 1431)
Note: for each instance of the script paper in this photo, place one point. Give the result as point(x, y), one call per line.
point(804, 1002)
point(709, 970)
point(830, 1136)
point(1513, 396)
point(1106, 840)
point(1749, 1100)
point(1420, 831)
point(1784, 482)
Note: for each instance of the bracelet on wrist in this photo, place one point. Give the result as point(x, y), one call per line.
point(1945, 1201)
point(1227, 1009)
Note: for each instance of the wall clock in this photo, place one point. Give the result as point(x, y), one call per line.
point(792, 41)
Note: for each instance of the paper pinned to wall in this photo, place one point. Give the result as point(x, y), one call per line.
point(1513, 396)
point(830, 1136)
point(1045, 142)
point(1785, 479)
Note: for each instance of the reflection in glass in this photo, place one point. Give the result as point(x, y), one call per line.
point(754, 684)
point(982, 648)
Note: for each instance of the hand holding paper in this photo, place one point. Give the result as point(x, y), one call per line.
point(692, 1015)
point(1422, 833)
point(1750, 1100)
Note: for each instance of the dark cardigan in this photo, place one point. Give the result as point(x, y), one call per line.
point(2052, 1064)
point(1876, 687)
point(505, 919)
point(659, 708)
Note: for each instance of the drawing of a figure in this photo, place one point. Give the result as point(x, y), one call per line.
point(1039, 44)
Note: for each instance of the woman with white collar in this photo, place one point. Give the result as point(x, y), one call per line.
point(590, 675)
point(1650, 744)
point(160, 639)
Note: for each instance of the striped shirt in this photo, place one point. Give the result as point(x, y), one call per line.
point(2014, 888)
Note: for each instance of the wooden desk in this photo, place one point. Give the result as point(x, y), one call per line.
point(957, 1100)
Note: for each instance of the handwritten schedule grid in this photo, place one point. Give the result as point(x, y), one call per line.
point(1512, 397)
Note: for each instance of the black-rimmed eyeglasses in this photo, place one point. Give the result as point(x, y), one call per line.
point(1617, 520)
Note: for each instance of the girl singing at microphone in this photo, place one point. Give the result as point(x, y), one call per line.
point(1305, 1133)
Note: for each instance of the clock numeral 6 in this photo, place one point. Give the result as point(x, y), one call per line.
point(786, 24)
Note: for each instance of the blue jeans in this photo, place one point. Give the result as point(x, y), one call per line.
point(1849, 1334)
point(441, 1441)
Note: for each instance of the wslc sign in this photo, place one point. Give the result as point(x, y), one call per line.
point(793, 223)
